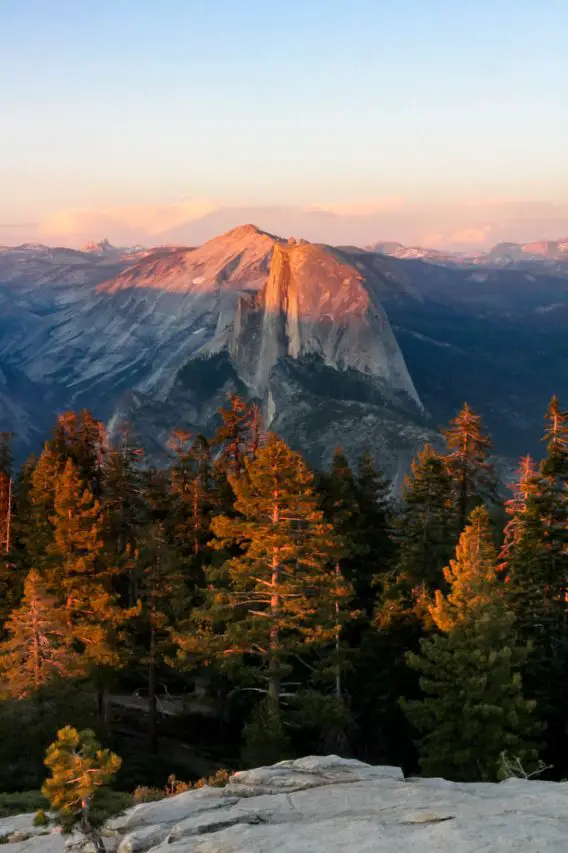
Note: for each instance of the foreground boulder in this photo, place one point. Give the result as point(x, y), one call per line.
point(334, 805)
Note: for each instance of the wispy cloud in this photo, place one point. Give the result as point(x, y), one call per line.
point(146, 220)
point(443, 224)
point(18, 224)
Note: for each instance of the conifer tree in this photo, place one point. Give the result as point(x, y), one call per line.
point(191, 487)
point(81, 438)
point(278, 597)
point(468, 463)
point(536, 567)
point(9, 579)
point(471, 577)
point(161, 601)
point(238, 435)
point(516, 507)
point(76, 570)
point(473, 706)
point(123, 509)
point(425, 535)
point(38, 648)
point(6, 492)
point(36, 532)
point(552, 497)
point(77, 788)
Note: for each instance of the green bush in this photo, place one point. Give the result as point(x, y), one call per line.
point(41, 819)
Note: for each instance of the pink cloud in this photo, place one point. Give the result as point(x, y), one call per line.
point(449, 224)
point(146, 220)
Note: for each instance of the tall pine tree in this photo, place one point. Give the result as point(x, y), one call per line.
point(279, 598)
point(38, 649)
point(473, 707)
point(425, 534)
point(468, 463)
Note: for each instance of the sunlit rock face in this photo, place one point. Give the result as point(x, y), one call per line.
point(298, 327)
point(326, 804)
point(314, 304)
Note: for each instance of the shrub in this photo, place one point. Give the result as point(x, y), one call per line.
point(40, 818)
point(218, 780)
point(147, 794)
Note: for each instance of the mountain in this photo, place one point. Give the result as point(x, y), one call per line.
point(296, 326)
point(542, 254)
point(103, 248)
point(340, 346)
point(33, 265)
point(398, 250)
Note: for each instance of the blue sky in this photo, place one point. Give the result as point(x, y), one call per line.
point(181, 109)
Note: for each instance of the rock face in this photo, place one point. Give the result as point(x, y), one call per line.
point(327, 804)
point(340, 346)
point(298, 327)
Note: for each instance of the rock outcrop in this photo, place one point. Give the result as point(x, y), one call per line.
point(328, 804)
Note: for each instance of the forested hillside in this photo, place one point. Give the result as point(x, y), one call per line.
point(237, 607)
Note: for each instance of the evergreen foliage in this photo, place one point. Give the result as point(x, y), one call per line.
point(467, 462)
point(155, 605)
point(278, 597)
point(38, 648)
point(77, 789)
point(473, 705)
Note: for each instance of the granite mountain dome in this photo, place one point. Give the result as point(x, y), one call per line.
point(161, 336)
point(297, 326)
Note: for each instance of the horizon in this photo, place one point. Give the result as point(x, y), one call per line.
point(91, 244)
point(425, 124)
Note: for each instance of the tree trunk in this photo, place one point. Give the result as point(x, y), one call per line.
point(152, 701)
point(103, 704)
point(338, 689)
point(88, 830)
point(273, 663)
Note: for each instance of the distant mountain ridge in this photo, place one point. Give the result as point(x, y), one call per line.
point(549, 252)
point(340, 346)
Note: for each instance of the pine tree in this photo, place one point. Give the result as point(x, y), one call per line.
point(81, 438)
point(191, 488)
point(38, 649)
point(162, 600)
point(471, 577)
point(277, 598)
point(525, 485)
point(552, 497)
point(556, 438)
point(238, 435)
point(359, 508)
point(467, 462)
point(6, 492)
point(36, 532)
point(77, 788)
point(425, 534)
point(536, 566)
point(123, 509)
point(473, 706)
point(9, 578)
point(76, 570)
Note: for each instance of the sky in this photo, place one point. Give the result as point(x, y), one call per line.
point(354, 121)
